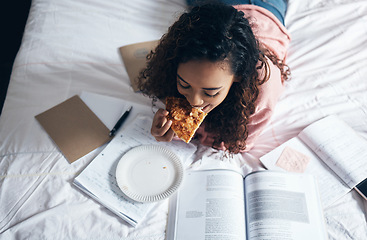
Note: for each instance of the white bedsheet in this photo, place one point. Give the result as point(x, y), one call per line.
point(71, 46)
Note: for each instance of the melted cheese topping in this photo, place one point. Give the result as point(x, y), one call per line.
point(185, 119)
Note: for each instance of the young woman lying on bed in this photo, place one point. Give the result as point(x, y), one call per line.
point(228, 60)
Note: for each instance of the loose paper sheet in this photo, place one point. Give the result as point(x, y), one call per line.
point(74, 128)
point(331, 144)
point(98, 179)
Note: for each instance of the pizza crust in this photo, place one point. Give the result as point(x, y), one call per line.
point(185, 119)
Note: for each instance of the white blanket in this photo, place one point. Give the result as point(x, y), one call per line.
point(72, 46)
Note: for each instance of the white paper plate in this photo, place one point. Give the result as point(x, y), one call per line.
point(149, 173)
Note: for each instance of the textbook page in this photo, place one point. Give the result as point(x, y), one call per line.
point(283, 206)
point(340, 147)
point(98, 178)
point(330, 185)
point(210, 205)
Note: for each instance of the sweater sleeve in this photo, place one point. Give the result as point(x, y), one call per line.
point(267, 29)
point(268, 97)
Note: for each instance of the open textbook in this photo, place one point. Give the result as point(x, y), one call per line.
point(98, 179)
point(330, 150)
point(220, 205)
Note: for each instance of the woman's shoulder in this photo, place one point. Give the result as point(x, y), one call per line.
point(267, 28)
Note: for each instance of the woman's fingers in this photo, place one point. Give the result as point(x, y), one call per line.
point(161, 126)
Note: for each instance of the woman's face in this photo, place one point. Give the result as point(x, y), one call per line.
point(204, 84)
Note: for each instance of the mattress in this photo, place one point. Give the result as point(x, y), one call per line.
point(72, 46)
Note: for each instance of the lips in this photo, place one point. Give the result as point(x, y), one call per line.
point(206, 108)
point(201, 108)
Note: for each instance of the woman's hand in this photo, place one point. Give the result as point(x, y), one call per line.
point(161, 127)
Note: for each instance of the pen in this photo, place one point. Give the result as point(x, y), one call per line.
point(120, 122)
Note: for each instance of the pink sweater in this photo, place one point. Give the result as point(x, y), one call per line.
point(271, 33)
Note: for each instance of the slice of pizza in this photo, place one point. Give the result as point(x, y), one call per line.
point(185, 119)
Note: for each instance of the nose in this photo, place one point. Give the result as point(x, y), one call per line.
point(195, 100)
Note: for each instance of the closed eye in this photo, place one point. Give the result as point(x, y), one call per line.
point(185, 85)
point(182, 83)
point(211, 95)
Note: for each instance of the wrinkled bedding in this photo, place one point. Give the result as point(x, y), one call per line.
point(72, 46)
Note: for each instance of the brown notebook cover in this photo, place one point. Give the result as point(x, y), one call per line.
point(134, 57)
point(74, 128)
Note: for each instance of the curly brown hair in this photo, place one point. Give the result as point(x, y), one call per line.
point(216, 33)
